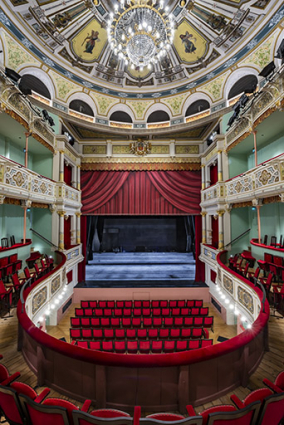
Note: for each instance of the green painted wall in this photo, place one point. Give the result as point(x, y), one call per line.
point(224, 122)
point(238, 164)
point(42, 223)
point(239, 223)
point(42, 164)
point(12, 223)
point(266, 152)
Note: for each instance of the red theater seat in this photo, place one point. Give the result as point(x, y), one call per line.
point(75, 322)
point(188, 321)
point(98, 312)
point(186, 333)
point(190, 303)
point(110, 304)
point(206, 343)
point(127, 312)
point(85, 322)
point(144, 347)
point(178, 321)
point(208, 322)
point(155, 304)
point(107, 346)
point(157, 346)
point(119, 347)
point(115, 322)
point(95, 322)
point(85, 304)
point(98, 334)
point(163, 303)
point(153, 333)
point(136, 322)
point(75, 334)
point(196, 333)
point(168, 322)
point(79, 312)
point(166, 312)
point(95, 345)
point(176, 312)
point(169, 346)
point(146, 304)
point(128, 304)
point(204, 311)
point(146, 312)
point(93, 304)
point(102, 304)
point(126, 322)
point(141, 333)
point(156, 312)
point(132, 347)
point(87, 333)
point(83, 344)
point(109, 333)
point(164, 333)
point(198, 303)
point(198, 321)
point(137, 304)
point(172, 303)
point(105, 322)
point(109, 413)
point(174, 333)
point(119, 333)
point(157, 322)
point(147, 322)
point(107, 312)
point(131, 333)
point(181, 345)
point(193, 344)
point(118, 312)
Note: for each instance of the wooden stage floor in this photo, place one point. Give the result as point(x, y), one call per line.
point(271, 365)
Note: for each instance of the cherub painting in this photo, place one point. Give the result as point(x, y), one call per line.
point(188, 44)
point(91, 41)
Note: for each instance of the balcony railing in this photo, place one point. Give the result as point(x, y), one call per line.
point(265, 180)
point(24, 184)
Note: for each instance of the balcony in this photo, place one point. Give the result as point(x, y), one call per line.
point(264, 181)
point(21, 183)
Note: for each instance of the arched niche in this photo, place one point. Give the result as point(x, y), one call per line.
point(120, 116)
point(158, 116)
point(81, 107)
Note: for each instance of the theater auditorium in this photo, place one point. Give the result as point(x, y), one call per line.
point(141, 212)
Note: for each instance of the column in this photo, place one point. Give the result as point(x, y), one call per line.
point(203, 226)
point(220, 166)
point(27, 149)
point(221, 229)
point(73, 229)
point(208, 219)
point(79, 177)
point(61, 166)
point(78, 227)
point(61, 229)
point(207, 176)
point(203, 177)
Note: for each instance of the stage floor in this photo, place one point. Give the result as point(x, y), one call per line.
point(143, 269)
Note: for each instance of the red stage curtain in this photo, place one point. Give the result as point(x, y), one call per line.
point(215, 232)
point(82, 265)
point(199, 265)
point(67, 174)
point(141, 192)
point(213, 174)
point(67, 233)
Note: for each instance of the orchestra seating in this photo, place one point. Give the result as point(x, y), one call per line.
point(143, 326)
point(20, 404)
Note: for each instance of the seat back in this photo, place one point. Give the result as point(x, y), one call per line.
point(82, 418)
point(10, 405)
point(44, 415)
point(191, 420)
point(246, 416)
point(272, 411)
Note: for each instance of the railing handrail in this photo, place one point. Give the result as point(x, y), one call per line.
point(22, 292)
point(238, 237)
point(42, 237)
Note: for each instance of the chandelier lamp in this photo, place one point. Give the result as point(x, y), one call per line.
point(140, 32)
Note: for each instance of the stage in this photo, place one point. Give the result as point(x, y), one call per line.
point(141, 269)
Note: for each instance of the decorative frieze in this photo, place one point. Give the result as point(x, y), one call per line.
point(245, 298)
point(39, 299)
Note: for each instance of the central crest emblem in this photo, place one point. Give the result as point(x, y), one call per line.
point(140, 147)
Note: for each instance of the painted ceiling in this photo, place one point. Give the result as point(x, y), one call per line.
point(58, 33)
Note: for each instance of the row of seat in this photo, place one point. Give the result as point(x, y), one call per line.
point(9, 265)
point(20, 404)
point(142, 312)
point(145, 322)
point(141, 303)
point(145, 346)
point(145, 333)
point(273, 241)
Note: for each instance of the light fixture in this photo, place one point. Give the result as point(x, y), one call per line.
point(140, 30)
point(231, 306)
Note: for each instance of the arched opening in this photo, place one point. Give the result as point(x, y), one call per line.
point(35, 84)
point(158, 116)
point(120, 116)
point(198, 106)
point(245, 83)
point(82, 107)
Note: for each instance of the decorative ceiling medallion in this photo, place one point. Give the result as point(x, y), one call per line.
point(140, 147)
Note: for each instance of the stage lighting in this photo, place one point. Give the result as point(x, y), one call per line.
point(237, 107)
point(45, 114)
point(50, 121)
point(251, 89)
point(280, 52)
point(268, 70)
point(13, 75)
point(243, 100)
point(26, 90)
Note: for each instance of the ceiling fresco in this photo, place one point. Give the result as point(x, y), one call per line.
point(70, 38)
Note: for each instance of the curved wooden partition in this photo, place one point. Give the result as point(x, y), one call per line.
point(157, 382)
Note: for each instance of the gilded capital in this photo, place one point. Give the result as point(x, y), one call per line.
point(203, 213)
point(78, 214)
point(220, 213)
point(61, 213)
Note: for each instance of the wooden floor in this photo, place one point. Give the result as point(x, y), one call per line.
point(270, 366)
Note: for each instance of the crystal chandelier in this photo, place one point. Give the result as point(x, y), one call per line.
point(140, 32)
